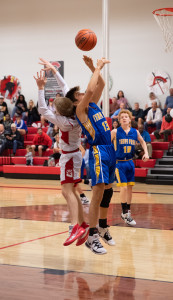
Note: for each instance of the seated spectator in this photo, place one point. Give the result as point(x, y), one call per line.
point(115, 124)
point(32, 114)
point(154, 117)
point(56, 149)
point(20, 124)
point(3, 108)
point(41, 142)
point(169, 101)
point(166, 127)
point(52, 132)
point(113, 106)
point(115, 114)
point(137, 114)
point(3, 141)
point(7, 122)
point(138, 148)
point(14, 139)
point(122, 99)
point(28, 155)
point(20, 107)
point(148, 106)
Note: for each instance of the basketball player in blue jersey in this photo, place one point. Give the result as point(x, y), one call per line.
point(101, 157)
point(124, 139)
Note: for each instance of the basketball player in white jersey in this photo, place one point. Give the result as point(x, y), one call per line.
point(71, 157)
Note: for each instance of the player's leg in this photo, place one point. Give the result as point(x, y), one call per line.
point(129, 219)
point(93, 242)
point(83, 197)
point(103, 227)
point(130, 176)
point(81, 221)
point(75, 230)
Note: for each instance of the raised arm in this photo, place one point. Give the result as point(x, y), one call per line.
point(88, 97)
point(42, 107)
point(60, 80)
point(100, 84)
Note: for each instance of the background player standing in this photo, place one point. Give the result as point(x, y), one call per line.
point(125, 138)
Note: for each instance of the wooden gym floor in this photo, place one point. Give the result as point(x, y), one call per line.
point(34, 264)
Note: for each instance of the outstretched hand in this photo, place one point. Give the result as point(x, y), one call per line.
point(40, 80)
point(101, 62)
point(47, 65)
point(89, 62)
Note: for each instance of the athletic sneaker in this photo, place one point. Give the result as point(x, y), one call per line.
point(105, 235)
point(83, 237)
point(93, 243)
point(76, 232)
point(84, 200)
point(128, 218)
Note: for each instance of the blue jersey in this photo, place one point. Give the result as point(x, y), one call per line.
point(96, 127)
point(125, 143)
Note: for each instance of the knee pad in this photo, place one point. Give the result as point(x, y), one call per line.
point(106, 198)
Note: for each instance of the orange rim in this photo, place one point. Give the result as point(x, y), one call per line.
point(157, 12)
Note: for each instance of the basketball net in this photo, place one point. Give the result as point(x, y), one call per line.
point(164, 18)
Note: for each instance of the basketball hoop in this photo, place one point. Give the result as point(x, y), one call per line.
point(164, 18)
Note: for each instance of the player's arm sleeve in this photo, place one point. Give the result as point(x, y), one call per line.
point(61, 82)
point(61, 121)
point(43, 109)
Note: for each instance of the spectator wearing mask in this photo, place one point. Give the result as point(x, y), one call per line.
point(166, 127)
point(41, 142)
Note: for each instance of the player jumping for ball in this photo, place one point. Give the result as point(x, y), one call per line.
point(101, 157)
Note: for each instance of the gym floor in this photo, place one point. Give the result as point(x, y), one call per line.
point(34, 264)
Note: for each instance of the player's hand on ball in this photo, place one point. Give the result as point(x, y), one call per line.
point(40, 80)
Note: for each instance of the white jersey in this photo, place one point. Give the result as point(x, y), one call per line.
point(70, 130)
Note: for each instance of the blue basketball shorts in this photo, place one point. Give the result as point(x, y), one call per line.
point(102, 163)
point(125, 172)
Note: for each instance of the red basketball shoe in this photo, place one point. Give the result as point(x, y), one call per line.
point(77, 231)
point(83, 237)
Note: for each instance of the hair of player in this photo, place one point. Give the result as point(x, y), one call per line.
point(124, 111)
point(64, 106)
point(71, 93)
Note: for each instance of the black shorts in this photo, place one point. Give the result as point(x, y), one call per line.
point(43, 147)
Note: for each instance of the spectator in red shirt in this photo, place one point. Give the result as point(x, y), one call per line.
point(41, 142)
point(166, 127)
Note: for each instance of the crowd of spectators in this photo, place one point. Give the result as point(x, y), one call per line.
point(14, 127)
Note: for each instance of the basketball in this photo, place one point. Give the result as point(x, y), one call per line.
point(86, 39)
